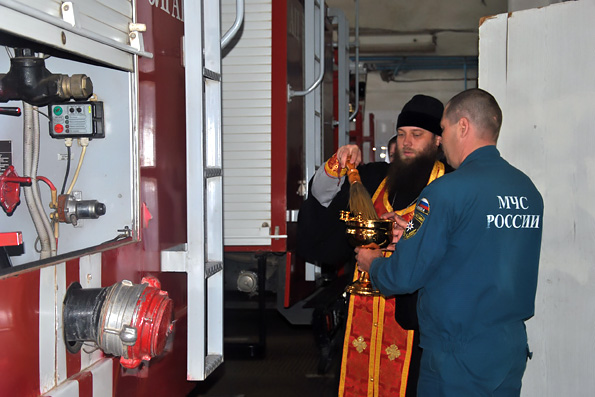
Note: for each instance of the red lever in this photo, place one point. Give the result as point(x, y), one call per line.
point(11, 238)
point(10, 188)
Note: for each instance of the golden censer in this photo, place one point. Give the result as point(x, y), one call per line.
point(366, 233)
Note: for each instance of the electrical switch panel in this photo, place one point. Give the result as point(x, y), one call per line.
point(99, 160)
point(77, 120)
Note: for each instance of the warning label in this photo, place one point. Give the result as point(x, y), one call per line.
point(5, 155)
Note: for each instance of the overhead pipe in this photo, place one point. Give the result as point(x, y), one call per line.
point(291, 93)
point(236, 25)
point(423, 63)
point(355, 112)
point(420, 62)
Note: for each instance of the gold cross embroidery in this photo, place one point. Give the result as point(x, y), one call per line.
point(393, 352)
point(359, 344)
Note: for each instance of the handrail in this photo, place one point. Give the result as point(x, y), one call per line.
point(355, 112)
point(236, 24)
point(291, 93)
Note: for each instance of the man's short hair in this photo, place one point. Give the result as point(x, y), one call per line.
point(477, 105)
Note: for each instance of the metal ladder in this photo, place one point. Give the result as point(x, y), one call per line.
point(202, 256)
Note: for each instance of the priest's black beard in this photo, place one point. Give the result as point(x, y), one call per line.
point(405, 180)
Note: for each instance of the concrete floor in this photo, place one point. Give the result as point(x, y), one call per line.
point(288, 368)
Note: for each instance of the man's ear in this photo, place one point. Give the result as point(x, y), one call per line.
point(463, 126)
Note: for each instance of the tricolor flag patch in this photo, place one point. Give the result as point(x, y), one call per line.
point(422, 210)
point(423, 206)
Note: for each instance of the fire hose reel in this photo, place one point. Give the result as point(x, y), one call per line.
point(128, 320)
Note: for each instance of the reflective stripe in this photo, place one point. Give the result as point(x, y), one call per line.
point(47, 328)
point(69, 388)
point(103, 378)
point(96, 382)
point(90, 277)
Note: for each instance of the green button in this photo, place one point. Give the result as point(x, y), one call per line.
point(57, 110)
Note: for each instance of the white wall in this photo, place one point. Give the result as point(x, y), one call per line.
point(539, 65)
point(517, 5)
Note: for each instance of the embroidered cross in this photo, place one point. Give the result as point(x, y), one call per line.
point(393, 352)
point(359, 344)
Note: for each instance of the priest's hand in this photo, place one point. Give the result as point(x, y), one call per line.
point(365, 256)
point(351, 153)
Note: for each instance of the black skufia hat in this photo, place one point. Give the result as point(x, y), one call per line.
point(422, 111)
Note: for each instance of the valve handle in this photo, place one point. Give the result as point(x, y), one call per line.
point(10, 111)
point(10, 188)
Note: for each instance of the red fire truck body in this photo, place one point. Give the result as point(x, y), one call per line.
point(129, 299)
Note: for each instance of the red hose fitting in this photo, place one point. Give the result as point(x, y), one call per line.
point(132, 321)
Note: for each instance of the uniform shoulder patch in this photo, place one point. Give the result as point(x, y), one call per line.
point(423, 206)
point(422, 210)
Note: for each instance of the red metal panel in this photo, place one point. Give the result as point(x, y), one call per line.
point(248, 248)
point(19, 334)
point(163, 127)
point(163, 191)
point(279, 123)
point(162, 123)
point(357, 136)
point(296, 287)
point(73, 361)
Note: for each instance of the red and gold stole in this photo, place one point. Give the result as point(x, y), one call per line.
point(376, 350)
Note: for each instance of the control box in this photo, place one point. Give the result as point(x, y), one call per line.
point(77, 120)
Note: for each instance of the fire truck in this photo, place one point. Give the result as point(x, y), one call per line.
point(154, 155)
point(150, 160)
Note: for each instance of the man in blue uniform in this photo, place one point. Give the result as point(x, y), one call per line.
point(472, 251)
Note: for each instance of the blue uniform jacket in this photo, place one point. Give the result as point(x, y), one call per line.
point(472, 251)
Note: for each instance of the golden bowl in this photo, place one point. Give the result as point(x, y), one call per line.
point(363, 232)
